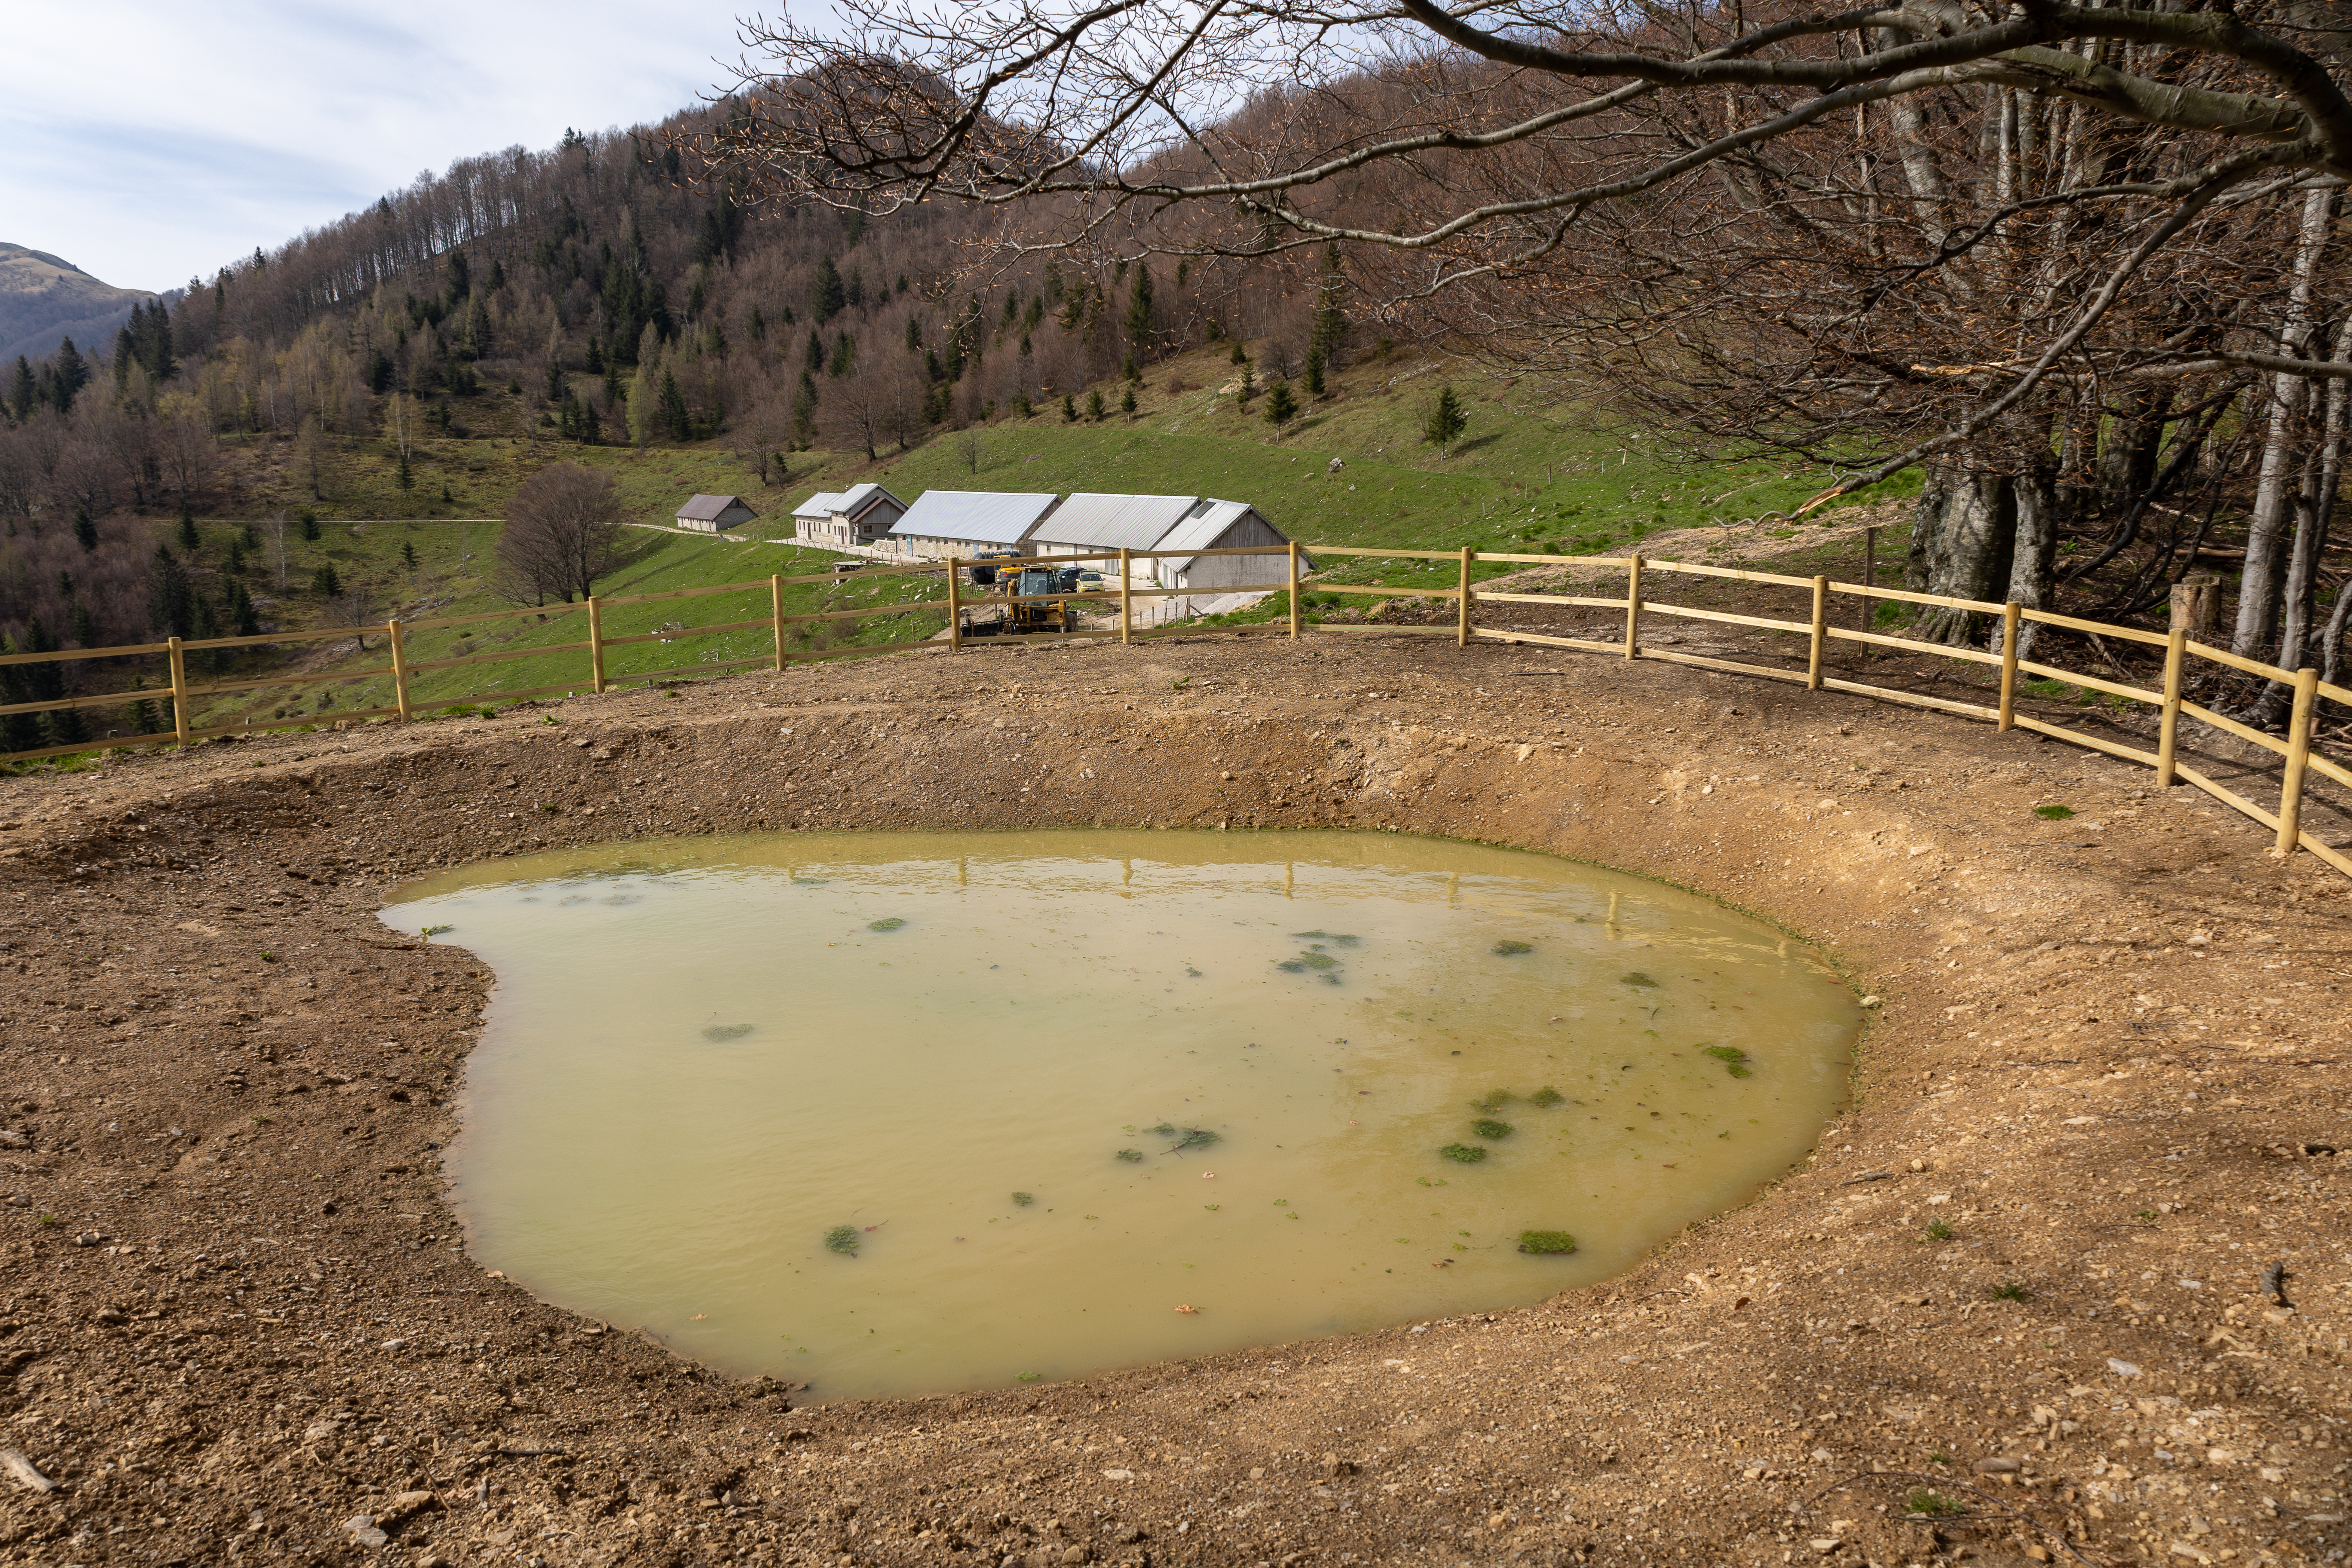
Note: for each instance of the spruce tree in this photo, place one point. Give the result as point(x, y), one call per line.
point(144, 719)
point(22, 389)
point(70, 373)
point(830, 296)
point(324, 583)
point(84, 531)
point(1127, 401)
point(1447, 420)
point(171, 604)
point(1280, 405)
point(234, 562)
point(408, 555)
point(1138, 313)
point(1094, 404)
point(190, 540)
point(404, 477)
point(18, 731)
point(674, 417)
point(1069, 409)
point(241, 610)
point(1314, 371)
point(311, 525)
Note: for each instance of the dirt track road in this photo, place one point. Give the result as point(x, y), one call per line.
point(238, 1324)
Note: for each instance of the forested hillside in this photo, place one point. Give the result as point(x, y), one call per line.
point(45, 298)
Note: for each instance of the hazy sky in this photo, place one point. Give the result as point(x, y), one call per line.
point(148, 142)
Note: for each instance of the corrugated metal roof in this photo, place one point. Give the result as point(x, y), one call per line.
point(1200, 531)
point(825, 503)
point(857, 498)
point(1116, 522)
point(709, 508)
point(974, 516)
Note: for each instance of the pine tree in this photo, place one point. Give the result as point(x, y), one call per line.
point(1447, 420)
point(1314, 371)
point(18, 731)
point(143, 718)
point(845, 356)
point(241, 610)
point(70, 373)
point(830, 296)
point(1094, 404)
point(404, 479)
point(310, 527)
point(1069, 409)
point(84, 625)
point(171, 605)
point(1138, 313)
point(674, 417)
point(1127, 401)
point(23, 390)
point(1280, 405)
point(190, 540)
point(1238, 357)
point(408, 555)
point(234, 562)
point(84, 531)
point(1249, 383)
point(324, 583)
point(1328, 335)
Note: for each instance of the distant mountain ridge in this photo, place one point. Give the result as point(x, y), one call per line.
point(45, 298)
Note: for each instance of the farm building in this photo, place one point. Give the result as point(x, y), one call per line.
point(956, 525)
point(715, 514)
point(1089, 524)
point(863, 514)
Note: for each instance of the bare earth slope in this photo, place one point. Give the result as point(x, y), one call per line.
point(238, 1324)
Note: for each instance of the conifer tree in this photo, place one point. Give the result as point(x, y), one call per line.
point(1447, 420)
point(170, 602)
point(1094, 404)
point(241, 610)
point(22, 389)
point(84, 531)
point(1139, 315)
point(190, 540)
point(309, 521)
point(1069, 409)
point(68, 375)
point(830, 296)
point(1314, 371)
point(408, 555)
point(1280, 405)
point(325, 583)
point(674, 417)
point(18, 731)
point(404, 477)
point(1127, 401)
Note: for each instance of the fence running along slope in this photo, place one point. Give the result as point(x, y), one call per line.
point(2298, 757)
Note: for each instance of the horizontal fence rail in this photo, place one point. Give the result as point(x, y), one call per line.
point(2299, 759)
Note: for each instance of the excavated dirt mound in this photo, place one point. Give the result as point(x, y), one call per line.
point(2016, 1307)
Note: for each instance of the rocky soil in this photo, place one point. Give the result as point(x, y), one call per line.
point(2069, 1280)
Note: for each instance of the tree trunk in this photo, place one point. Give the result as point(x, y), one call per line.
point(1961, 545)
point(2266, 535)
point(2033, 548)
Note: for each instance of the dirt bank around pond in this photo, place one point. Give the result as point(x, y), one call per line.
point(2015, 1308)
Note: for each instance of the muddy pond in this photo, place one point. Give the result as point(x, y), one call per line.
point(904, 1114)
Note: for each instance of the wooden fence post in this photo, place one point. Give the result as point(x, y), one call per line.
point(1294, 590)
point(2008, 665)
point(1869, 580)
point(1634, 607)
point(179, 692)
point(776, 606)
point(399, 668)
point(2167, 734)
point(955, 607)
point(2298, 761)
point(1821, 634)
point(1462, 623)
point(1126, 600)
point(595, 645)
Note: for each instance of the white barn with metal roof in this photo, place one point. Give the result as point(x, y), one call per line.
point(715, 514)
point(956, 525)
point(1090, 524)
point(847, 518)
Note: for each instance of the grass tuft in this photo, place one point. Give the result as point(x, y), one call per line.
point(1546, 1242)
point(1489, 1129)
point(1511, 948)
point(842, 1239)
point(1468, 1153)
point(1547, 1097)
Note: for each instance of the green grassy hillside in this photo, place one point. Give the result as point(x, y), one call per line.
point(1525, 476)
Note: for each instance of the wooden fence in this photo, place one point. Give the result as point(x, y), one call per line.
point(2299, 757)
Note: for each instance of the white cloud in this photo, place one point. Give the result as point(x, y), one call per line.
point(151, 143)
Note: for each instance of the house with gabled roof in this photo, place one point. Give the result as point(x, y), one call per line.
point(860, 516)
point(715, 514)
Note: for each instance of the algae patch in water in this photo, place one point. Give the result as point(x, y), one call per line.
point(1468, 1153)
point(1640, 980)
point(1491, 1129)
point(1337, 938)
point(1734, 1059)
point(842, 1239)
point(728, 1031)
point(1023, 1200)
point(1546, 1096)
point(1511, 948)
point(1129, 1156)
point(1186, 1136)
point(891, 923)
point(1542, 1241)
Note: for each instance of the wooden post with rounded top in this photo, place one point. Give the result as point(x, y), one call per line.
point(2298, 761)
point(1634, 607)
point(1126, 600)
point(179, 692)
point(2168, 732)
point(399, 668)
point(1821, 634)
point(1294, 590)
point(596, 644)
point(2008, 665)
point(1462, 623)
point(776, 608)
point(955, 607)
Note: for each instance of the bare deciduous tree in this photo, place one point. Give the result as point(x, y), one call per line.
point(563, 532)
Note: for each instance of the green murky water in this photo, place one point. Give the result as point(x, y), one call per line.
point(894, 1113)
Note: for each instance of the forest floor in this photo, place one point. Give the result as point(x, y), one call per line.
point(2067, 1279)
